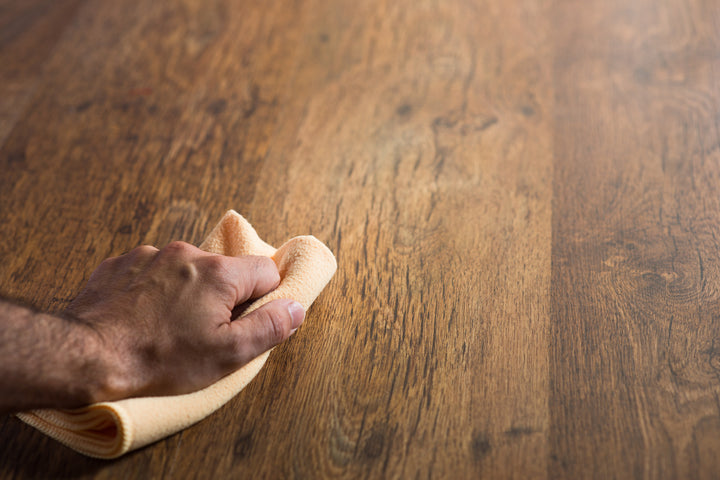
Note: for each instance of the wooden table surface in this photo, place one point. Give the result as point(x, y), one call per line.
point(522, 197)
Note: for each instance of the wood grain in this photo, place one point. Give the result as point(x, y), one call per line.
point(635, 225)
point(522, 197)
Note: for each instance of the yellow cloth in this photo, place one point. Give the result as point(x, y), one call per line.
point(111, 429)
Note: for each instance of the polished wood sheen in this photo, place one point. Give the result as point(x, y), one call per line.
point(523, 197)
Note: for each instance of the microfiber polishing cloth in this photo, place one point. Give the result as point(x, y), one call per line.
point(111, 429)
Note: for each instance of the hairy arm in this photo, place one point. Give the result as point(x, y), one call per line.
point(47, 360)
point(151, 322)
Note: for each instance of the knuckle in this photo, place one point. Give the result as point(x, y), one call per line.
point(215, 265)
point(262, 263)
point(265, 266)
point(108, 264)
point(177, 245)
point(140, 253)
point(272, 268)
point(145, 250)
point(216, 271)
point(177, 249)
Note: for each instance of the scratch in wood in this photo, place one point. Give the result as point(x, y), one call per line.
point(702, 271)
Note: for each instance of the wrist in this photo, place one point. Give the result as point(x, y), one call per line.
point(94, 374)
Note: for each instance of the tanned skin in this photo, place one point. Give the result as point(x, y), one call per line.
point(150, 322)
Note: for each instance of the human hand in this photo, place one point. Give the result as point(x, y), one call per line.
point(165, 319)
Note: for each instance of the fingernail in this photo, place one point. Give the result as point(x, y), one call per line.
point(297, 312)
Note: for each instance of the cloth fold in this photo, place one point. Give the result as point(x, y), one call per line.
point(111, 429)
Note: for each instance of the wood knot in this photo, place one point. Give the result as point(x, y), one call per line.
point(404, 109)
point(713, 356)
point(480, 446)
point(243, 446)
point(217, 107)
point(652, 279)
point(374, 445)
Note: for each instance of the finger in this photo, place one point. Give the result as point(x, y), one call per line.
point(262, 329)
point(244, 277)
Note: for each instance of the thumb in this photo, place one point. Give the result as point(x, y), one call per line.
point(264, 328)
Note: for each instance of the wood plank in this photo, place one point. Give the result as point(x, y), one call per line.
point(634, 385)
point(417, 145)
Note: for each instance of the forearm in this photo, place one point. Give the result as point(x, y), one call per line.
point(48, 361)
